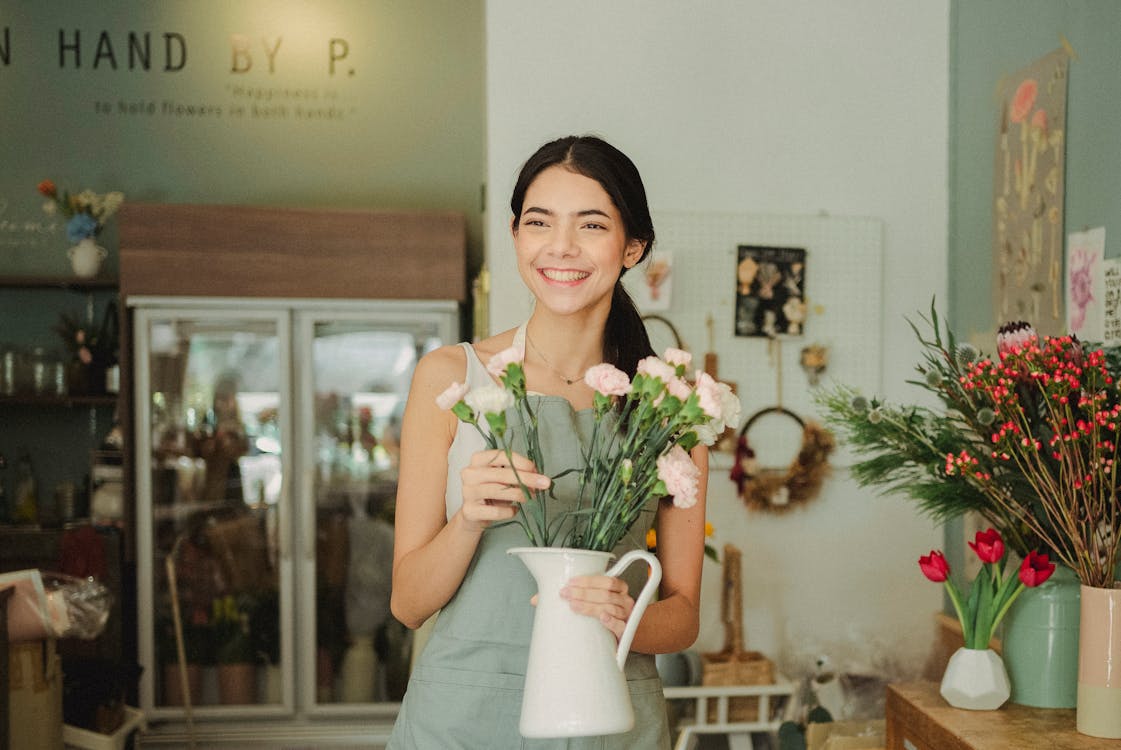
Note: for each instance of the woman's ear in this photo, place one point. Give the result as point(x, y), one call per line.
point(514, 226)
point(633, 254)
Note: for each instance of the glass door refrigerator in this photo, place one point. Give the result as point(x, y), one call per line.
point(267, 445)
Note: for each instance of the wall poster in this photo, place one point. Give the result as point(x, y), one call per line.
point(1111, 290)
point(1028, 195)
point(770, 291)
point(1085, 284)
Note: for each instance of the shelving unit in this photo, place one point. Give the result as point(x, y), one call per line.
point(60, 432)
point(68, 402)
point(58, 282)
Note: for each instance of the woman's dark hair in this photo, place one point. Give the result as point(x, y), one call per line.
point(625, 341)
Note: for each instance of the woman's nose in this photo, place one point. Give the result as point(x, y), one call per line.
point(564, 242)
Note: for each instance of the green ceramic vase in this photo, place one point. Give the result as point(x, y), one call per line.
point(1040, 643)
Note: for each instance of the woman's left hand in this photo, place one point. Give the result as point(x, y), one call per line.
point(603, 597)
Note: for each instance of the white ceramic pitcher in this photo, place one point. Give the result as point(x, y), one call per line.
point(574, 682)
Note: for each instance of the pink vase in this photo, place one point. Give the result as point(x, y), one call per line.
point(1099, 662)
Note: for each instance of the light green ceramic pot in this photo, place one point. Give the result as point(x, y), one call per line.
point(1040, 643)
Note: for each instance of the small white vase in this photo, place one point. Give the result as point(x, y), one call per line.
point(976, 679)
point(86, 257)
point(574, 681)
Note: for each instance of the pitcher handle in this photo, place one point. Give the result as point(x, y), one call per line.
point(640, 603)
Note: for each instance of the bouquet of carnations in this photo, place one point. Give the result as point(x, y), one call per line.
point(639, 447)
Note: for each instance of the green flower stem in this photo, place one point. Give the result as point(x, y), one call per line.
point(955, 597)
point(986, 582)
point(1019, 589)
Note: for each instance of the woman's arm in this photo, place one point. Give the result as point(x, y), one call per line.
point(672, 622)
point(427, 569)
point(430, 553)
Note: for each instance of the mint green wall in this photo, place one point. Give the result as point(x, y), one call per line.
point(404, 130)
point(990, 40)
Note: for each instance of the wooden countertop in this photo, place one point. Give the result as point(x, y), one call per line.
point(917, 713)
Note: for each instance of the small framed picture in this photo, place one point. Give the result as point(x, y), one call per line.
point(650, 283)
point(770, 291)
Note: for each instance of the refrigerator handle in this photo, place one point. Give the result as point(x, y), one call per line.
point(307, 494)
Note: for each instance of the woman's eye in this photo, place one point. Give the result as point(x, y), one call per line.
point(533, 223)
point(593, 225)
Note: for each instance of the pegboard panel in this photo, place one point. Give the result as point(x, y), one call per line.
point(843, 286)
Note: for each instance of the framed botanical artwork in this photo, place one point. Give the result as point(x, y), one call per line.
point(770, 291)
point(1028, 195)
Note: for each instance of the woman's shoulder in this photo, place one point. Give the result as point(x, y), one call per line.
point(444, 365)
point(488, 347)
point(448, 364)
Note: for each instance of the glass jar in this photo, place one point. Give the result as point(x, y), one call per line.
point(10, 366)
point(39, 366)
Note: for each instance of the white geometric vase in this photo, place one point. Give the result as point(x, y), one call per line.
point(976, 679)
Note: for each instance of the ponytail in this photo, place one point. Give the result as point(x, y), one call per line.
point(625, 340)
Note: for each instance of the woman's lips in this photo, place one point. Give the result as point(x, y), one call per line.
point(563, 275)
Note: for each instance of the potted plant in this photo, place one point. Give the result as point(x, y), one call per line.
point(1028, 439)
point(93, 350)
point(87, 213)
point(233, 651)
point(196, 641)
point(264, 631)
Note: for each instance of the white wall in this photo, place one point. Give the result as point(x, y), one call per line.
point(776, 107)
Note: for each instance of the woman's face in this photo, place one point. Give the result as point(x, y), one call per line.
point(570, 242)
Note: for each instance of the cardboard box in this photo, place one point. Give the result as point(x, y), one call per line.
point(846, 735)
point(35, 695)
point(84, 739)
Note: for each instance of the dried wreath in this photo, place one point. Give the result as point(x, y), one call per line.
point(778, 490)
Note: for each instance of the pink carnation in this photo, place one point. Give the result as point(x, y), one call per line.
point(680, 475)
point(656, 368)
point(608, 380)
point(677, 357)
point(708, 391)
point(499, 362)
point(452, 395)
point(679, 388)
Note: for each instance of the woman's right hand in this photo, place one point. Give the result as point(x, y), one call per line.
point(490, 487)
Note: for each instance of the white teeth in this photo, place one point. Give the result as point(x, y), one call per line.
point(555, 275)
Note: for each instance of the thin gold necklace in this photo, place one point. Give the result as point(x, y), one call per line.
point(567, 380)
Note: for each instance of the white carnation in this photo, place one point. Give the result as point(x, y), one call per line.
point(489, 399)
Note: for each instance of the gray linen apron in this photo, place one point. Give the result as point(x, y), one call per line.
point(465, 691)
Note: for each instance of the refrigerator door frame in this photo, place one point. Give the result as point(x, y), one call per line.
point(295, 319)
point(304, 322)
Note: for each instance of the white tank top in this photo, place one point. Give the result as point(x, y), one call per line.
point(467, 440)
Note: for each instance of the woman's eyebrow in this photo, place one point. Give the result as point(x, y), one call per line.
point(585, 212)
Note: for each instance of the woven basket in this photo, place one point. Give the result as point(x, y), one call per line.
point(734, 665)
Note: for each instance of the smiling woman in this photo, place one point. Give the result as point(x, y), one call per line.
point(579, 220)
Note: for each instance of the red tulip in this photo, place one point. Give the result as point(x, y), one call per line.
point(1036, 569)
point(988, 546)
point(47, 188)
point(934, 566)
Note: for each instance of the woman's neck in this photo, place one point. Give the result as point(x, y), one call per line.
point(565, 346)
